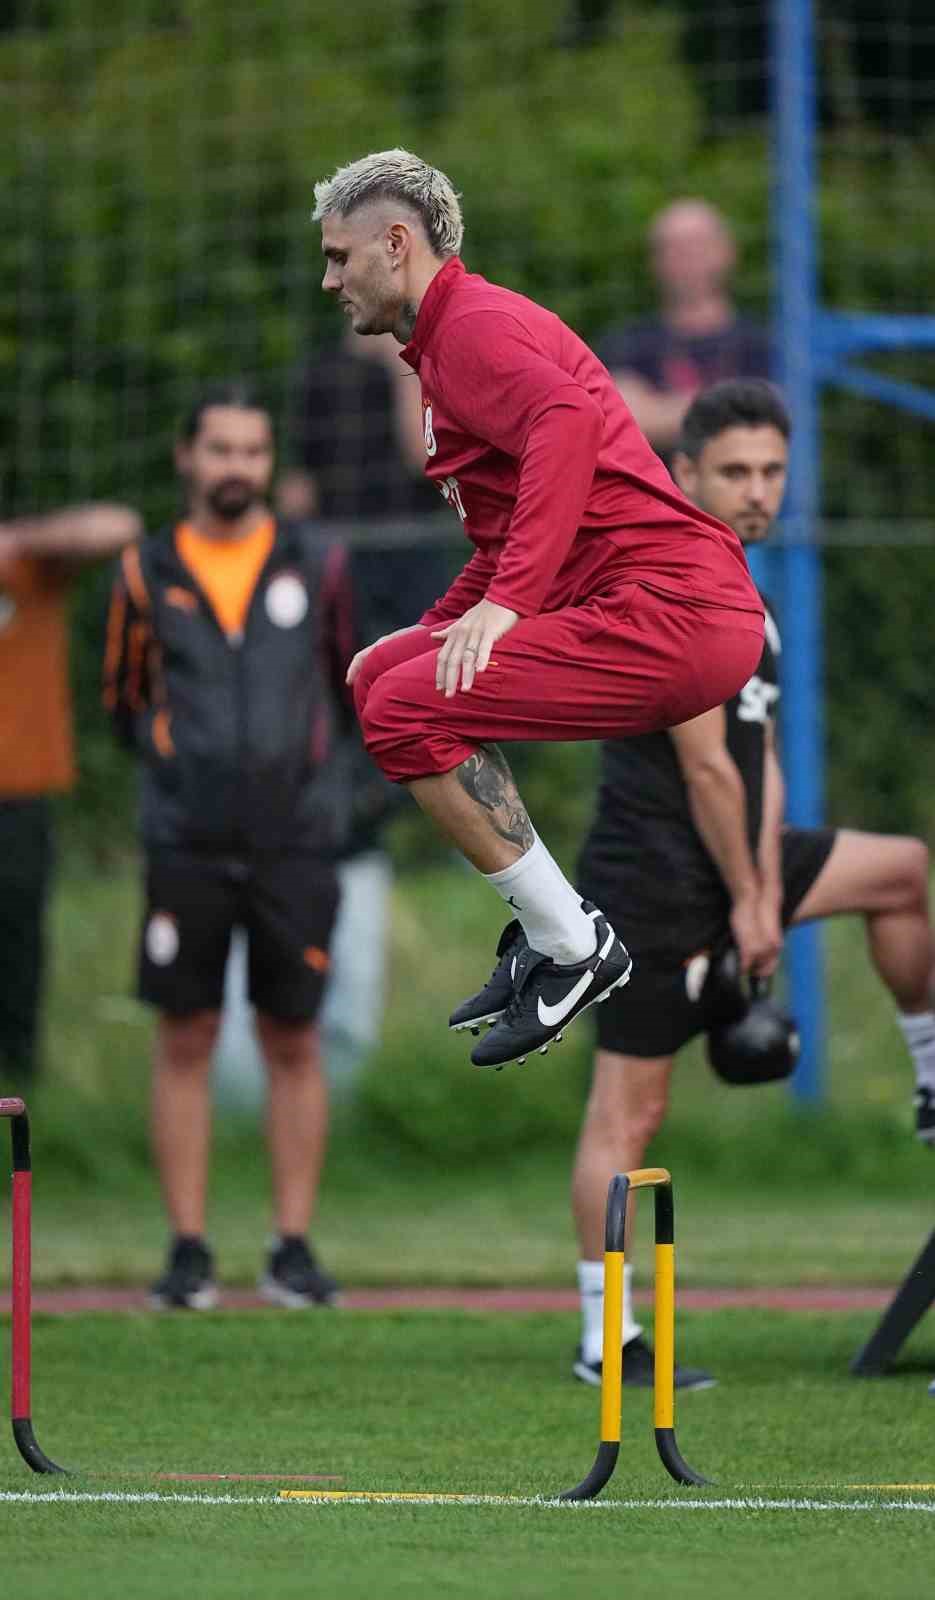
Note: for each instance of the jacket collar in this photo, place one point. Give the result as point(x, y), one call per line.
point(431, 308)
point(287, 545)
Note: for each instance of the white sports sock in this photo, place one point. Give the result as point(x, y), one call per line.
point(591, 1290)
point(919, 1033)
point(549, 909)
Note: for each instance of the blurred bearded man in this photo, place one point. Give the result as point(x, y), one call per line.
point(228, 641)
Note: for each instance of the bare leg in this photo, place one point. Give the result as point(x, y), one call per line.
point(478, 807)
point(886, 879)
point(297, 1119)
point(626, 1107)
point(181, 1115)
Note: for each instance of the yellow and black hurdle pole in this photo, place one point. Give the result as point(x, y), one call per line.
point(660, 1181)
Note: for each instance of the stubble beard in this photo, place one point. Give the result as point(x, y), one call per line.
point(406, 321)
point(227, 507)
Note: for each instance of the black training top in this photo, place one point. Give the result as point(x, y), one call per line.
point(643, 852)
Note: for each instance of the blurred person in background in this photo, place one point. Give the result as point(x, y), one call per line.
point(40, 557)
point(597, 601)
point(697, 337)
point(228, 639)
point(358, 460)
point(689, 846)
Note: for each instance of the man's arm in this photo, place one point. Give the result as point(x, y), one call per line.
point(340, 629)
point(769, 854)
point(126, 687)
point(72, 536)
point(658, 413)
point(500, 387)
point(717, 799)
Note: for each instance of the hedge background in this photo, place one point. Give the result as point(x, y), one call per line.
point(155, 183)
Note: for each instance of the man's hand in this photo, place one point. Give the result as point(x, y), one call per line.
point(361, 656)
point(468, 643)
point(771, 932)
point(757, 934)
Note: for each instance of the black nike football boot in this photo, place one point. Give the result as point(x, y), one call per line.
point(490, 1002)
point(547, 996)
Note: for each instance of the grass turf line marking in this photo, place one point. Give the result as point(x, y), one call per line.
point(34, 1497)
point(128, 1497)
point(736, 1503)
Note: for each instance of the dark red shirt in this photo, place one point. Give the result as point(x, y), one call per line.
point(530, 441)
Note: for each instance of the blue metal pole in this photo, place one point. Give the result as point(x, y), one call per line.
point(801, 600)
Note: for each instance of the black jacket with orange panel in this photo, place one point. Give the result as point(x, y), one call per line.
point(238, 736)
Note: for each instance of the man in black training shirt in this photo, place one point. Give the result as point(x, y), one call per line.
point(688, 854)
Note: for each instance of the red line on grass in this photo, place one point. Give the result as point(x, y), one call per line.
point(248, 1477)
point(802, 1297)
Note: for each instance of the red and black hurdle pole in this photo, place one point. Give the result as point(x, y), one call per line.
point(21, 1292)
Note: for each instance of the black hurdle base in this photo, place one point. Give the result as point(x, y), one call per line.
point(30, 1451)
point(907, 1307)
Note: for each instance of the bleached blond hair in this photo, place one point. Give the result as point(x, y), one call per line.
point(401, 176)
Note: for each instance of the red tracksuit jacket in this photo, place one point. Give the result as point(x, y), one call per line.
point(530, 441)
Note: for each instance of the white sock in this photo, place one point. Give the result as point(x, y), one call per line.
point(591, 1289)
point(919, 1033)
point(549, 909)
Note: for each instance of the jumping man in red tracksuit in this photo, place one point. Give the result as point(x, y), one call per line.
point(598, 602)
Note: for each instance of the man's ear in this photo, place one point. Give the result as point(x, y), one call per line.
point(685, 473)
point(398, 239)
point(183, 457)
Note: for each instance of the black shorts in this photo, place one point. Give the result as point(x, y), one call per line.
point(287, 907)
point(664, 1006)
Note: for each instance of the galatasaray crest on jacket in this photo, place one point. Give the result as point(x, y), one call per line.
point(287, 600)
point(430, 443)
point(162, 939)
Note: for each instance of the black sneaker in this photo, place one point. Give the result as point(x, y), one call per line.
point(294, 1279)
point(547, 996)
point(638, 1369)
point(188, 1281)
point(924, 1102)
point(489, 1003)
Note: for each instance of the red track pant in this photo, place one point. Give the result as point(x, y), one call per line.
point(627, 661)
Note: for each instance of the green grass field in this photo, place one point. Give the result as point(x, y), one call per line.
point(460, 1403)
point(438, 1173)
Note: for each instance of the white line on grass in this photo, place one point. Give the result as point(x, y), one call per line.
point(36, 1497)
point(738, 1503)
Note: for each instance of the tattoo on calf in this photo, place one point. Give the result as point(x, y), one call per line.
point(489, 781)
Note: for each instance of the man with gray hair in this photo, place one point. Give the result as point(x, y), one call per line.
point(597, 602)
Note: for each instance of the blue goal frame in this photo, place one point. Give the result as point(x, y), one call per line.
point(816, 346)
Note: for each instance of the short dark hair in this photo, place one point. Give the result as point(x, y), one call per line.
point(237, 392)
point(733, 403)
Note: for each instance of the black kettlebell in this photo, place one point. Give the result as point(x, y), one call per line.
point(760, 1046)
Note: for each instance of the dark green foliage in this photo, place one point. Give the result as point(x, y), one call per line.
point(155, 187)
